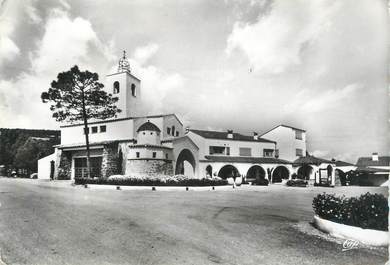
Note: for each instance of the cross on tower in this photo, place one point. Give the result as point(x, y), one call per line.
point(124, 65)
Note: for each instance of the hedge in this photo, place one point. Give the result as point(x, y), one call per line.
point(152, 181)
point(369, 211)
point(296, 183)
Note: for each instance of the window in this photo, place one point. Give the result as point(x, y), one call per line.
point(168, 130)
point(151, 133)
point(298, 152)
point(173, 130)
point(133, 90)
point(154, 154)
point(166, 156)
point(87, 129)
point(137, 154)
point(245, 151)
point(116, 87)
point(103, 128)
point(298, 135)
point(94, 129)
point(177, 133)
point(219, 150)
point(268, 152)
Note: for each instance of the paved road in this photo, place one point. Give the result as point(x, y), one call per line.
point(68, 225)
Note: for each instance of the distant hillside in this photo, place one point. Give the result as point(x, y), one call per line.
point(21, 148)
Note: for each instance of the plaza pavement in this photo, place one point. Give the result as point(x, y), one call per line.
point(45, 222)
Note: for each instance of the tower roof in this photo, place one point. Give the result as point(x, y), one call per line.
point(148, 126)
point(124, 65)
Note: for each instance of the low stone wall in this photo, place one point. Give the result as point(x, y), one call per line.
point(110, 161)
point(65, 165)
point(149, 167)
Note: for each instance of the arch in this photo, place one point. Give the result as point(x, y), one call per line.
point(305, 171)
point(255, 173)
point(329, 169)
point(116, 87)
point(228, 171)
point(209, 171)
point(280, 173)
point(185, 163)
point(340, 176)
point(133, 90)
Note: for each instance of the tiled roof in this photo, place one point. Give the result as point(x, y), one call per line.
point(148, 126)
point(149, 145)
point(223, 135)
point(371, 170)
point(383, 161)
point(311, 160)
point(340, 163)
point(247, 159)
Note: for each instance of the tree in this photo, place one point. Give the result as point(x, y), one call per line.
point(78, 96)
point(33, 149)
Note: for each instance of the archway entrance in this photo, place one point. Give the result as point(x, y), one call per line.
point(185, 163)
point(255, 173)
point(209, 171)
point(305, 171)
point(279, 174)
point(340, 178)
point(228, 171)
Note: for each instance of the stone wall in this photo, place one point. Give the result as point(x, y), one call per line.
point(149, 167)
point(64, 170)
point(110, 162)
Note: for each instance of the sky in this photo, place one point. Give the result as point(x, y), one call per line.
point(320, 65)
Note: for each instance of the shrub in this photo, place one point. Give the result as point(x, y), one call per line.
point(369, 211)
point(262, 182)
point(296, 183)
point(177, 180)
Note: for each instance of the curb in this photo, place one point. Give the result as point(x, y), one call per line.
point(366, 236)
point(155, 188)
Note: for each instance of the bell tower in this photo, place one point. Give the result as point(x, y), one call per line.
point(126, 87)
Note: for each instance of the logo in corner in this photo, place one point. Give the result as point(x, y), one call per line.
point(350, 244)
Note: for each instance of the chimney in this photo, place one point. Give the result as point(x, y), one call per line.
point(187, 129)
point(255, 136)
point(230, 134)
point(375, 157)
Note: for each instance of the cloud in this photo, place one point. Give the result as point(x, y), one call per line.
point(8, 48)
point(65, 42)
point(158, 86)
point(144, 53)
point(312, 101)
point(275, 42)
point(320, 153)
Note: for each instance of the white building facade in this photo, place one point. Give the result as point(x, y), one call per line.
point(138, 144)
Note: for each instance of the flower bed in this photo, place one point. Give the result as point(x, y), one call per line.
point(177, 180)
point(369, 211)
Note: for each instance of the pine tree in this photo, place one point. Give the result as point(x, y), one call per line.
point(78, 96)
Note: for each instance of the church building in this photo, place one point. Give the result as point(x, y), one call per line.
point(155, 145)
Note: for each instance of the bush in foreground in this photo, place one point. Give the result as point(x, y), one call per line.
point(296, 183)
point(369, 211)
point(178, 180)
